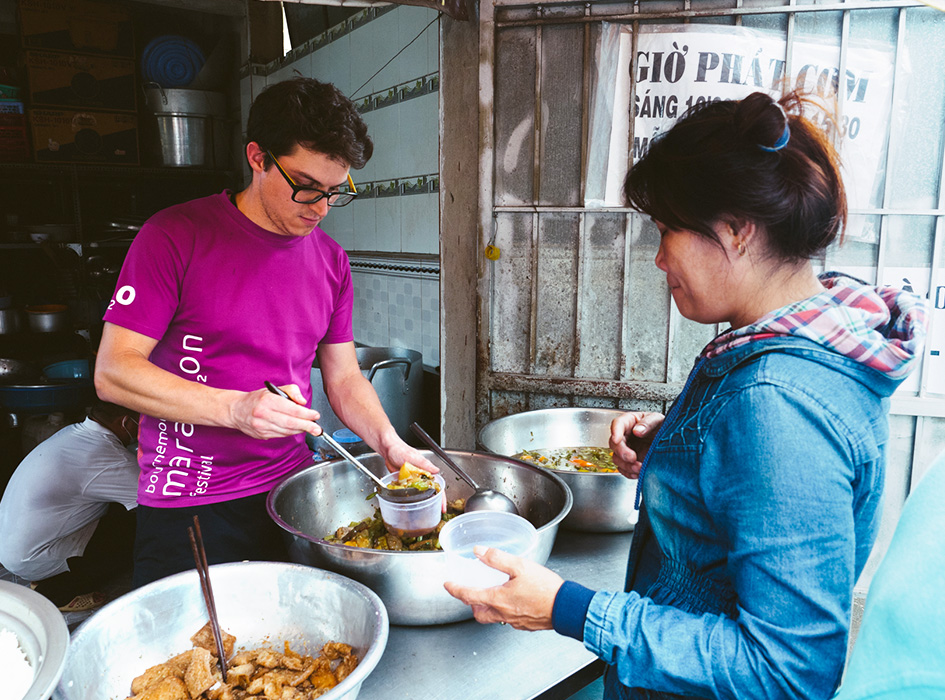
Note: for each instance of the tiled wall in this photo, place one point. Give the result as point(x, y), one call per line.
point(391, 232)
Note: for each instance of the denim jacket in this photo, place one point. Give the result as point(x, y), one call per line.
point(763, 492)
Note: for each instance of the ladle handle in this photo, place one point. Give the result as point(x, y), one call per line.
point(331, 441)
point(431, 443)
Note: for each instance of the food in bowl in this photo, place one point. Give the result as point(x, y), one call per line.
point(257, 673)
point(410, 476)
point(372, 533)
point(572, 459)
point(17, 671)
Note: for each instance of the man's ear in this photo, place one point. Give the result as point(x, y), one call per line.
point(255, 156)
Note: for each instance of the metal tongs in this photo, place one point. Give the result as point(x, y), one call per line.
point(408, 494)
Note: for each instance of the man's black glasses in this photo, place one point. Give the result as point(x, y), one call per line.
point(310, 195)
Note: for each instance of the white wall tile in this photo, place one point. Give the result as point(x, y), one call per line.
point(420, 223)
point(337, 68)
point(339, 224)
point(419, 133)
point(385, 46)
point(367, 173)
point(433, 49)
point(388, 224)
point(364, 223)
point(387, 144)
point(412, 63)
point(430, 320)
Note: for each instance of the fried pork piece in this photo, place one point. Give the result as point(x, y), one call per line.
point(204, 638)
point(170, 688)
point(153, 676)
point(201, 673)
point(263, 673)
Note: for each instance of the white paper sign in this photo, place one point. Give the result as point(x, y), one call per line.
point(681, 66)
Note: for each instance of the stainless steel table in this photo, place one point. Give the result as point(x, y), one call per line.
point(469, 661)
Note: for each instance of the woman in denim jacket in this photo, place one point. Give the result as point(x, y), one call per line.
point(763, 485)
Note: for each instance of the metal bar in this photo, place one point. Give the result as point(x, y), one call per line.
point(533, 316)
point(487, 138)
point(570, 386)
point(586, 101)
point(630, 225)
point(536, 170)
point(542, 209)
point(717, 12)
point(938, 241)
point(579, 294)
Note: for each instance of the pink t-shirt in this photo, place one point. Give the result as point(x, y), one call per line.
point(231, 305)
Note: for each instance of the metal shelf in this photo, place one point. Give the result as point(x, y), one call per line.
point(103, 169)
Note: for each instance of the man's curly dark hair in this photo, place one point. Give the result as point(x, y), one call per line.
point(312, 114)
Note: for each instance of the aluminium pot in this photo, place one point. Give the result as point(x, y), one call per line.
point(313, 502)
point(397, 377)
point(9, 321)
point(602, 502)
point(48, 318)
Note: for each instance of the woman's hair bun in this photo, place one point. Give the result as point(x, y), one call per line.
point(761, 122)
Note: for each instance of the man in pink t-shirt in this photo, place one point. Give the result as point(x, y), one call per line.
point(217, 296)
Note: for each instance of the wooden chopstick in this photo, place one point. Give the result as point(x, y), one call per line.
point(203, 571)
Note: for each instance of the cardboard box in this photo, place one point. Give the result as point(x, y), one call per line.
point(14, 144)
point(59, 79)
point(83, 26)
point(12, 114)
point(79, 136)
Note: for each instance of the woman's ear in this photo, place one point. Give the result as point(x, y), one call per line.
point(743, 234)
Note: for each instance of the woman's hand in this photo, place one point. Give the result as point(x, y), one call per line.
point(630, 437)
point(525, 601)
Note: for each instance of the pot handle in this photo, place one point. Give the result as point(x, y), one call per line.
point(390, 363)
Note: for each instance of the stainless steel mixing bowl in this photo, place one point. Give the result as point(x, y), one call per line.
point(315, 501)
point(602, 502)
point(261, 603)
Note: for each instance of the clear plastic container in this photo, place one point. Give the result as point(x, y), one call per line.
point(412, 519)
point(510, 533)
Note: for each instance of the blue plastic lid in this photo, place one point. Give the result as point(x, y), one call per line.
point(344, 435)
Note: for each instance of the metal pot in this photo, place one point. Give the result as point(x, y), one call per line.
point(397, 376)
point(9, 321)
point(17, 371)
point(602, 502)
point(315, 501)
point(48, 318)
point(261, 603)
point(189, 125)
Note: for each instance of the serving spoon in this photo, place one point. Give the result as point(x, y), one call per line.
point(483, 499)
point(408, 494)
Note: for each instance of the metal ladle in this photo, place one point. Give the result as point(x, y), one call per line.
point(408, 494)
point(483, 499)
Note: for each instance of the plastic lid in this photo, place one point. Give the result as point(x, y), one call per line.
point(344, 435)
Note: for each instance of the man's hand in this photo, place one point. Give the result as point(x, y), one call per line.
point(630, 437)
point(264, 415)
point(525, 601)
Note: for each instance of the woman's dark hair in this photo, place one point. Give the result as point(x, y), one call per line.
point(312, 114)
point(727, 162)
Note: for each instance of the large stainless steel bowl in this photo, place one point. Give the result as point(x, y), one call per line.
point(602, 502)
point(262, 603)
point(315, 501)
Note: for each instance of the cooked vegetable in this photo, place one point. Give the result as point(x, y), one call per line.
point(371, 533)
point(410, 476)
point(571, 459)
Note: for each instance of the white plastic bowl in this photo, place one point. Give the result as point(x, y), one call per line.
point(412, 519)
point(505, 531)
point(41, 632)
